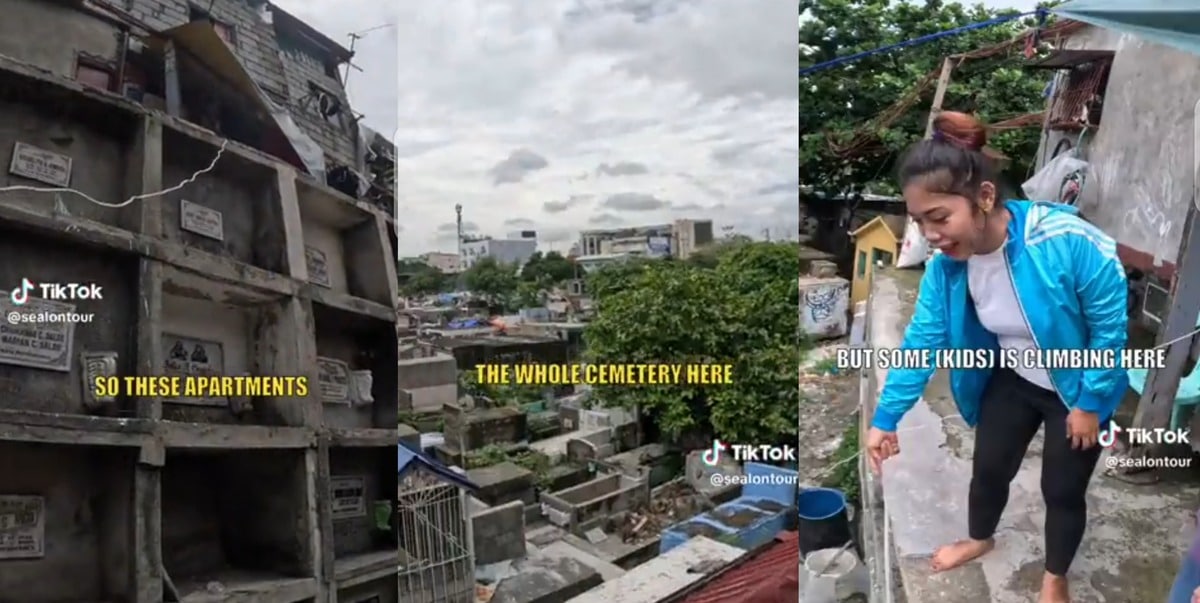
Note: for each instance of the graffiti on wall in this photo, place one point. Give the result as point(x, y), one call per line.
point(1149, 220)
point(822, 303)
point(823, 307)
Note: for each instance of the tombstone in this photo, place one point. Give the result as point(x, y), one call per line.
point(824, 305)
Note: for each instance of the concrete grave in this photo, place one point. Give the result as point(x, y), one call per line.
point(653, 461)
point(699, 476)
point(543, 578)
point(429, 382)
point(503, 483)
point(499, 532)
point(590, 504)
point(466, 431)
point(409, 436)
point(591, 446)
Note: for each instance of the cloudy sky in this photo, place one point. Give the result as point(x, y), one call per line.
point(562, 115)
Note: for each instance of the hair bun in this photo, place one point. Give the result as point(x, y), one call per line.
point(960, 129)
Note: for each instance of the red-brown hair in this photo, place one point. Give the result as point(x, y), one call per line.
point(952, 161)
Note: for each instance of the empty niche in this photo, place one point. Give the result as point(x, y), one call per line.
point(236, 520)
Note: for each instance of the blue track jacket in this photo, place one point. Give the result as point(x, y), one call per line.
point(1072, 292)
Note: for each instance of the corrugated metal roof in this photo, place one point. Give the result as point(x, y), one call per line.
point(770, 576)
point(408, 459)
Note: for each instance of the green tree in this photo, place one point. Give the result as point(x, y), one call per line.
point(548, 269)
point(528, 294)
point(838, 102)
point(419, 278)
point(612, 278)
point(741, 312)
point(495, 281)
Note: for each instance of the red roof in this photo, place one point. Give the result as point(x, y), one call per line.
point(769, 576)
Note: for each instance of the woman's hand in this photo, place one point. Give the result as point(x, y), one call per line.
point(1196, 595)
point(1083, 429)
point(881, 445)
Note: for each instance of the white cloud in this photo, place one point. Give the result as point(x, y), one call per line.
point(560, 115)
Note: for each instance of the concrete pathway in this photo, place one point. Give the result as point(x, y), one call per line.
point(1135, 536)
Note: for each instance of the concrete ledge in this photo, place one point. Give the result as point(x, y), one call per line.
point(362, 438)
point(215, 436)
point(259, 284)
point(283, 590)
point(83, 430)
point(358, 569)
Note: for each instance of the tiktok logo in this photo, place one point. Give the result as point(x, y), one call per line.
point(713, 456)
point(20, 295)
point(1108, 436)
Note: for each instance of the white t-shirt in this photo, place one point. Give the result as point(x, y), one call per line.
point(998, 309)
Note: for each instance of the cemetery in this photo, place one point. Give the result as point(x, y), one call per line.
point(567, 496)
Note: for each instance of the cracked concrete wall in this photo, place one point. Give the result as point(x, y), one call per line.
point(28, 21)
point(99, 145)
point(281, 66)
point(1142, 154)
point(246, 194)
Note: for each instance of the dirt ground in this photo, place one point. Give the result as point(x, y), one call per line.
point(828, 402)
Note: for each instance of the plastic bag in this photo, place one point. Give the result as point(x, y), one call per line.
point(915, 250)
point(1047, 183)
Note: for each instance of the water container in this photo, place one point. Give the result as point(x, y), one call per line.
point(844, 580)
point(824, 522)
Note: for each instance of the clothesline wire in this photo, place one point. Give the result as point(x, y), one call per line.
point(925, 39)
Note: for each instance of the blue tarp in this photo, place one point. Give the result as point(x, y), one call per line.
point(1174, 23)
point(467, 323)
point(408, 459)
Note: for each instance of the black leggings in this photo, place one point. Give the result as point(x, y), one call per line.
point(1010, 413)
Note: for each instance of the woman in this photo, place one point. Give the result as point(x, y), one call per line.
point(1012, 275)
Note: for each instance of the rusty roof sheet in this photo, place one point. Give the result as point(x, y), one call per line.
point(768, 576)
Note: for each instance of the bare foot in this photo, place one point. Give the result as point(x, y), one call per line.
point(1054, 589)
point(963, 551)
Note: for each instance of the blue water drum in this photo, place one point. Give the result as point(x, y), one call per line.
point(824, 522)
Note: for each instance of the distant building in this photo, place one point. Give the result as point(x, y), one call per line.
point(592, 263)
point(679, 239)
point(516, 249)
point(447, 263)
point(691, 235)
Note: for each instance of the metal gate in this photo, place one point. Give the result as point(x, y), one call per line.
point(436, 550)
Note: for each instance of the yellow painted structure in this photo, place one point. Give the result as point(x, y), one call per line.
point(876, 243)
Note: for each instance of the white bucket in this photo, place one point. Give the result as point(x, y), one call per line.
point(838, 581)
